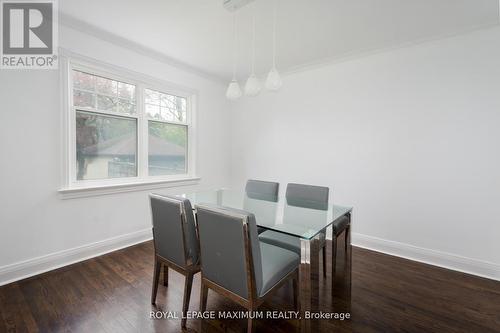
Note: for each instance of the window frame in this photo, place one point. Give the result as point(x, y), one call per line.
point(69, 182)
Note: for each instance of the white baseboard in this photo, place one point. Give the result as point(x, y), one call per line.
point(22, 270)
point(442, 259)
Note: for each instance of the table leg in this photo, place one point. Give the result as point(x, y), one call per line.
point(309, 282)
point(348, 254)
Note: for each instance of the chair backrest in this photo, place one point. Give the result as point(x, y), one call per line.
point(307, 196)
point(260, 199)
point(174, 229)
point(262, 190)
point(230, 249)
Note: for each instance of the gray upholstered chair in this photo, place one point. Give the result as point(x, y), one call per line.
point(235, 264)
point(261, 190)
point(315, 197)
point(306, 196)
point(175, 243)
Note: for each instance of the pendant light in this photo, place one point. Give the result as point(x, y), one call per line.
point(253, 85)
point(273, 81)
point(233, 91)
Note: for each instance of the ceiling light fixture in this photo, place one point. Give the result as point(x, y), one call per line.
point(273, 81)
point(253, 85)
point(233, 91)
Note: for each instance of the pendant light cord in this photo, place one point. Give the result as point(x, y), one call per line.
point(235, 46)
point(253, 40)
point(274, 32)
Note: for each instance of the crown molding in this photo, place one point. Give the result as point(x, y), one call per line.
point(356, 55)
point(79, 25)
point(72, 22)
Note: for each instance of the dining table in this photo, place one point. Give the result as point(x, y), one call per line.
point(291, 218)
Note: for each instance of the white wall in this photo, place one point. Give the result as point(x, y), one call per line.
point(35, 222)
point(409, 137)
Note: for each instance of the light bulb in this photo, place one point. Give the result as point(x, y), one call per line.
point(253, 86)
point(233, 91)
point(273, 81)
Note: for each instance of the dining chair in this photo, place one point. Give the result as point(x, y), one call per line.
point(175, 243)
point(315, 197)
point(262, 190)
point(305, 196)
point(240, 267)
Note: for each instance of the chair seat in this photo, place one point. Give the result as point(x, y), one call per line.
point(276, 264)
point(285, 241)
point(292, 243)
point(282, 240)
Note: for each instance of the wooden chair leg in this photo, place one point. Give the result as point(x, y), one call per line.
point(295, 283)
point(251, 324)
point(324, 260)
point(334, 260)
point(203, 297)
point(165, 275)
point(156, 277)
point(203, 301)
point(187, 294)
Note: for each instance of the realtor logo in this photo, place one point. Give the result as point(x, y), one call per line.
point(29, 34)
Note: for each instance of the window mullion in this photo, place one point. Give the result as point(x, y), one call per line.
point(142, 134)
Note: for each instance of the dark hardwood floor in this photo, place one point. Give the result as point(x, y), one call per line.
point(111, 293)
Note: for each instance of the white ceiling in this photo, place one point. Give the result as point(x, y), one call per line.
point(198, 33)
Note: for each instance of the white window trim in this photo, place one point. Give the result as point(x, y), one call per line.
point(71, 188)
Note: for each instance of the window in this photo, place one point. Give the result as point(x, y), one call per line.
point(106, 146)
point(106, 127)
point(168, 135)
point(125, 129)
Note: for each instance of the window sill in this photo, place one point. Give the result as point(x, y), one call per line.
point(90, 191)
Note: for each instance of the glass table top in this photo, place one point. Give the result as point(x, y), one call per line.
point(300, 218)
